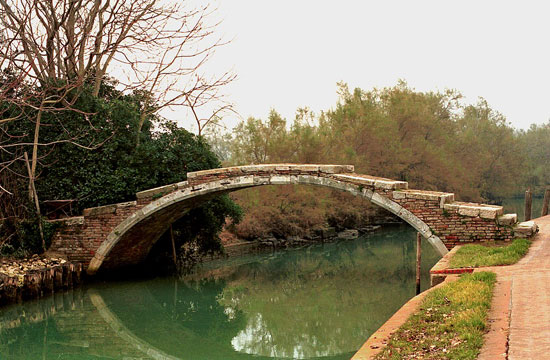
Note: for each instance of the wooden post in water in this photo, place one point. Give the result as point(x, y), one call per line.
point(418, 256)
point(544, 211)
point(528, 204)
point(173, 247)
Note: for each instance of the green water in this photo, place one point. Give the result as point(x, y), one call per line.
point(317, 302)
point(517, 206)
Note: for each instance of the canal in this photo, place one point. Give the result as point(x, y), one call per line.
point(316, 302)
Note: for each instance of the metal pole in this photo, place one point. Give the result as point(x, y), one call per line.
point(418, 257)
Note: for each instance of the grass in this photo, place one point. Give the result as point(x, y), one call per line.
point(450, 323)
point(478, 255)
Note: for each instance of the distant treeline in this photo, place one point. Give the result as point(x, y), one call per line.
point(430, 139)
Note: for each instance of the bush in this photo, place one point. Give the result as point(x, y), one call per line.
point(113, 170)
point(26, 239)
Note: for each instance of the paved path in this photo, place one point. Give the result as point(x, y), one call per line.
point(522, 296)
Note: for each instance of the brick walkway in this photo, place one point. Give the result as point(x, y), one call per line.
point(523, 296)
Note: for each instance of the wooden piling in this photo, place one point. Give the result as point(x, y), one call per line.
point(544, 211)
point(528, 205)
point(418, 258)
point(174, 256)
point(39, 283)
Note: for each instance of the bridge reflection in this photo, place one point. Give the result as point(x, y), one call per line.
point(320, 302)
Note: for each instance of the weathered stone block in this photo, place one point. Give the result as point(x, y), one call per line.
point(508, 219)
point(446, 199)
point(526, 229)
point(161, 190)
point(309, 179)
point(367, 194)
point(489, 212)
point(126, 204)
point(399, 195)
point(348, 168)
point(283, 179)
point(282, 168)
point(182, 184)
point(75, 220)
point(451, 207)
point(335, 169)
point(355, 179)
point(468, 210)
point(307, 168)
point(422, 195)
point(391, 185)
point(100, 210)
point(217, 171)
point(261, 180)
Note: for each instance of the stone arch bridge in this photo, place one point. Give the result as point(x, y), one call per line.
point(122, 234)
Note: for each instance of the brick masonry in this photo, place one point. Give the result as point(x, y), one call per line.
point(122, 234)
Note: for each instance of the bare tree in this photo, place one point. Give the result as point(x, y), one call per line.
point(50, 49)
point(157, 48)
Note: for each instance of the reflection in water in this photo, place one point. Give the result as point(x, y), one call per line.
point(517, 206)
point(122, 332)
point(317, 302)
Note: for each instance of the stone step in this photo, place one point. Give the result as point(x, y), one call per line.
point(442, 197)
point(508, 219)
point(526, 229)
point(484, 211)
point(372, 181)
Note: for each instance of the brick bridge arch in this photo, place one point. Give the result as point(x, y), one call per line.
point(122, 234)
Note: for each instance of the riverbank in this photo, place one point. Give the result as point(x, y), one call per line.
point(234, 247)
point(36, 277)
point(516, 325)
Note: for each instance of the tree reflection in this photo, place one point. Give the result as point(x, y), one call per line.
point(318, 302)
point(321, 302)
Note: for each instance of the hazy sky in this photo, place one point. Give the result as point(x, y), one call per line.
point(289, 54)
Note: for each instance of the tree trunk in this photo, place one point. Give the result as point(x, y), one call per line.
point(36, 202)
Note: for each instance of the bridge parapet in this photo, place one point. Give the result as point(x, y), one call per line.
point(374, 182)
point(198, 177)
point(484, 211)
point(441, 197)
